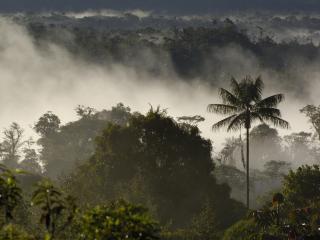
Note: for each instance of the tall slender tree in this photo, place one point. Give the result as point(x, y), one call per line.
point(244, 105)
point(52, 204)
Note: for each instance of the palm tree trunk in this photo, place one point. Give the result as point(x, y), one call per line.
point(278, 216)
point(248, 177)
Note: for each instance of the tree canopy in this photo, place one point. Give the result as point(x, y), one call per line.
point(173, 160)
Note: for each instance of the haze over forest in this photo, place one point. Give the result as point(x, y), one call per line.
point(62, 82)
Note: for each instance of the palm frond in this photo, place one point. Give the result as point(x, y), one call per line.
point(250, 91)
point(245, 97)
point(221, 108)
point(271, 101)
point(228, 97)
point(237, 122)
point(276, 121)
point(259, 85)
point(268, 111)
point(235, 88)
point(256, 116)
point(223, 123)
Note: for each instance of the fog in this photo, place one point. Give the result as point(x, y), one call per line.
point(34, 81)
point(108, 13)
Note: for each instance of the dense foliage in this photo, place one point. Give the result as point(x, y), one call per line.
point(119, 220)
point(146, 159)
point(63, 147)
point(158, 162)
point(302, 187)
point(295, 214)
point(154, 161)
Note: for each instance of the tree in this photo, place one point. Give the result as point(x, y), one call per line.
point(47, 124)
point(275, 169)
point(53, 204)
point(191, 120)
point(260, 137)
point(85, 112)
point(205, 225)
point(10, 193)
point(277, 201)
point(299, 146)
point(118, 220)
point(11, 145)
point(30, 163)
point(66, 146)
point(234, 177)
point(168, 156)
point(266, 132)
point(283, 218)
point(245, 105)
point(119, 114)
point(232, 151)
point(302, 187)
point(173, 161)
point(313, 113)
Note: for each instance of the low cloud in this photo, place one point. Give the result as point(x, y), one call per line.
point(35, 80)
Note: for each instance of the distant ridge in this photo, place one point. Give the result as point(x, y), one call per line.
point(161, 6)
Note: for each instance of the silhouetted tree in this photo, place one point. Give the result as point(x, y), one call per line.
point(173, 161)
point(85, 112)
point(63, 147)
point(30, 162)
point(313, 113)
point(11, 145)
point(47, 124)
point(276, 168)
point(245, 105)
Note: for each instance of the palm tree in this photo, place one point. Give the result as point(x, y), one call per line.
point(244, 104)
point(10, 192)
point(51, 202)
point(58, 210)
point(277, 200)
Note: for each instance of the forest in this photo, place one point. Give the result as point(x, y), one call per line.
point(114, 173)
